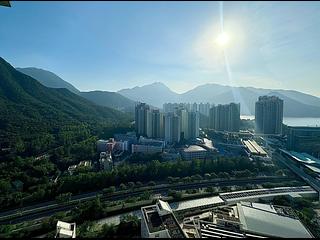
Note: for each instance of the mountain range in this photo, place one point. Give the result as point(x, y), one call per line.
point(296, 104)
point(103, 98)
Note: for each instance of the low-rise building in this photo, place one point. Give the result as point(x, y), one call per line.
point(150, 141)
point(106, 162)
point(193, 152)
point(102, 145)
point(253, 148)
point(72, 168)
point(158, 221)
point(248, 219)
point(146, 149)
point(170, 156)
point(65, 230)
point(121, 146)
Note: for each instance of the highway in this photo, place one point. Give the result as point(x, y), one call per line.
point(50, 208)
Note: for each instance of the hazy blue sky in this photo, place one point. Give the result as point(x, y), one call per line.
point(111, 45)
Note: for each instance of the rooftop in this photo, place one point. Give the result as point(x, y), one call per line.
point(247, 219)
point(194, 148)
point(264, 219)
point(253, 147)
point(265, 192)
point(160, 217)
point(197, 203)
point(302, 157)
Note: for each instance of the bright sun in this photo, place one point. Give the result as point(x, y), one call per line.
point(223, 39)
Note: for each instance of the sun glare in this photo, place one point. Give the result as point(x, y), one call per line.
point(223, 39)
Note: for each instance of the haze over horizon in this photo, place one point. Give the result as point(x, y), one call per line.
point(111, 46)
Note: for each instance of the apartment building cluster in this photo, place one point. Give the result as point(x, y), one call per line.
point(171, 125)
point(225, 117)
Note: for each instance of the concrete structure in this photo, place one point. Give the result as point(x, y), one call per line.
point(153, 142)
point(121, 145)
point(172, 128)
point(304, 162)
point(269, 115)
point(218, 217)
point(204, 108)
point(72, 168)
point(193, 124)
point(65, 230)
point(268, 194)
point(146, 148)
point(106, 162)
point(110, 145)
point(102, 145)
point(142, 119)
point(304, 139)
point(158, 221)
point(184, 117)
point(129, 137)
point(193, 152)
point(247, 219)
point(170, 156)
point(157, 124)
point(253, 148)
point(225, 117)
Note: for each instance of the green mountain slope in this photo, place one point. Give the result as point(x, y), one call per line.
point(39, 117)
point(48, 78)
point(110, 99)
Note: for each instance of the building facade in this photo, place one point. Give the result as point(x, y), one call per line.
point(304, 139)
point(142, 118)
point(225, 117)
point(172, 128)
point(269, 115)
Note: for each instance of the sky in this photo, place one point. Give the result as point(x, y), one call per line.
point(114, 45)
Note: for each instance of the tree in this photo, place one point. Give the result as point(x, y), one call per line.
point(131, 185)
point(64, 197)
point(123, 186)
point(146, 195)
point(139, 184)
point(110, 189)
point(151, 183)
point(207, 176)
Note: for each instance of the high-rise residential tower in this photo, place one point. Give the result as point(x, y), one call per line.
point(172, 128)
point(193, 124)
point(142, 118)
point(157, 124)
point(269, 115)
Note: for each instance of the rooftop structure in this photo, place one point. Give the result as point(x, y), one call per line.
point(254, 148)
point(158, 221)
point(198, 203)
point(193, 152)
point(265, 193)
point(302, 157)
point(247, 219)
point(65, 230)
